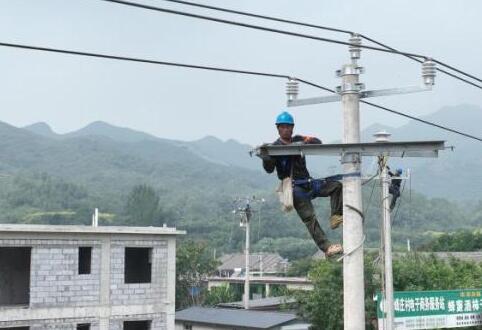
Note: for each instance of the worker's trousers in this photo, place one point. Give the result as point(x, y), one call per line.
point(306, 212)
point(395, 192)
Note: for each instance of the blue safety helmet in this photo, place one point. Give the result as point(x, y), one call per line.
point(285, 118)
point(399, 171)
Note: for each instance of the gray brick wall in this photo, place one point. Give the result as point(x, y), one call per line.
point(55, 281)
point(54, 278)
point(138, 293)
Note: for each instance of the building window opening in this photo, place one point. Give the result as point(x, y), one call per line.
point(85, 259)
point(137, 325)
point(15, 275)
point(83, 326)
point(16, 328)
point(137, 266)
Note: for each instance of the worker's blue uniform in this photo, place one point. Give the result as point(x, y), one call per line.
point(307, 189)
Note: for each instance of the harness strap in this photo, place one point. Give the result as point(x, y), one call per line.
point(337, 177)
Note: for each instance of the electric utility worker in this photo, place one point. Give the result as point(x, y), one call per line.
point(304, 188)
point(394, 188)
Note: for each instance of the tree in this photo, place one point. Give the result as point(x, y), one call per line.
point(193, 264)
point(464, 240)
point(142, 206)
point(323, 306)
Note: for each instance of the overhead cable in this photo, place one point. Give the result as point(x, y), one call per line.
point(270, 18)
point(320, 27)
point(219, 69)
point(140, 60)
point(294, 34)
point(420, 61)
point(257, 27)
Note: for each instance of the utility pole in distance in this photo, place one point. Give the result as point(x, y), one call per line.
point(387, 237)
point(246, 212)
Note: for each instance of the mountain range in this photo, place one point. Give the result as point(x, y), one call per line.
point(453, 175)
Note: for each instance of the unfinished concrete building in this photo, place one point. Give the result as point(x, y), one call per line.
point(79, 277)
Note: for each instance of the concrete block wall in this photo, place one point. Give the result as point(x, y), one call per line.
point(56, 288)
point(138, 293)
point(55, 280)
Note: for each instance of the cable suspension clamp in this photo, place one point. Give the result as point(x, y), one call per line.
point(350, 88)
point(349, 69)
point(292, 89)
point(428, 72)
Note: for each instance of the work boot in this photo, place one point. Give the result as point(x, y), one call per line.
point(335, 221)
point(333, 249)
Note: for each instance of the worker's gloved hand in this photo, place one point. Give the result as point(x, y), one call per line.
point(263, 152)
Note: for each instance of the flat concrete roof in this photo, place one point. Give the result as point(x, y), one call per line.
point(74, 229)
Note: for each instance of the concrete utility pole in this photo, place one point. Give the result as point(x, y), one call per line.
point(351, 151)
point(353, 277)
point(387, 237)
point(246, 275)
point(387, 249)
point(246, 213)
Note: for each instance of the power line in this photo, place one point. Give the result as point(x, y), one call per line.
point(219, 69)
point(420, 61)
point(316, 26)
point(270, 18)
point(258, 27)
point(140, 60)
point(422, 120)
point(295, 34)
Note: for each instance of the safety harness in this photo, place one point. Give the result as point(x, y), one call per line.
point(310, 188)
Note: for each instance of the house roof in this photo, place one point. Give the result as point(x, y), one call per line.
point(234, 317)
point(21, 228)
point(267, 262)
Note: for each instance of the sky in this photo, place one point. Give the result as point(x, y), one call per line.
point(69, 92)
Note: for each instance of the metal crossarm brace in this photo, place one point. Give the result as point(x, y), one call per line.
point(392, 149)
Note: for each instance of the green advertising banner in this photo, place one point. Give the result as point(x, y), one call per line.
point(433, 309)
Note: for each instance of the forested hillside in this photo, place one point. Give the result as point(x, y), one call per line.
point(138, 179)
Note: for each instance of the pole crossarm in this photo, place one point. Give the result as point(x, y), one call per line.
point(393, 149)
point(363, 94)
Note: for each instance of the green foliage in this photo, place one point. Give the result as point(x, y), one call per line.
point(142, 207)
point(324, 305)
point(193, 264)
point(219, 294)
point(301, 267)
point(459, 241)
point(416, 272)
